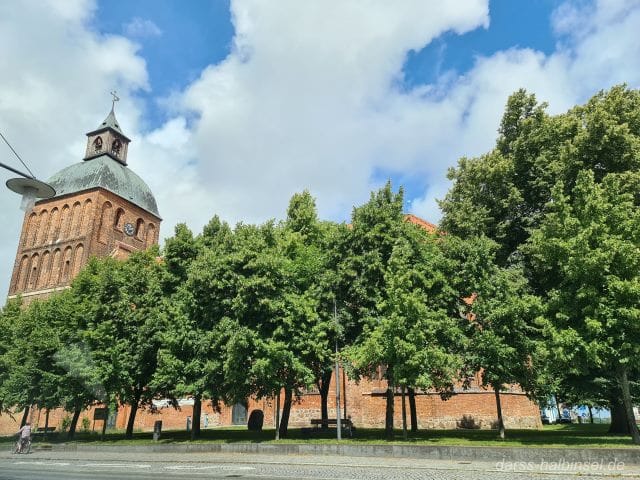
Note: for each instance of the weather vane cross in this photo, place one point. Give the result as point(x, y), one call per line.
point(116, 98)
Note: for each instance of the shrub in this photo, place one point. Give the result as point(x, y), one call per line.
point(64, 425)
point(86, 424)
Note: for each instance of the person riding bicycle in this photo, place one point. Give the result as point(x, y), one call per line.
point(25, 436)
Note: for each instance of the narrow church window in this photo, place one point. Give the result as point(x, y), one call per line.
point(66, 268)
point(97, 144)
point(45, 269)
point(151, 234)
point(119, 217)
point(115, 147)
point(31, 228)
point(23, 275)
point(139, 228)
point(105, 221)
point(33, 277)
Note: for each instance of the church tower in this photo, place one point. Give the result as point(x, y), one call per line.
point(101, 208)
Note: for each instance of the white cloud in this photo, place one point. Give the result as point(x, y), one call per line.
point(597, 49)
point(141, 28)
point(307, 100)
point(55, 76)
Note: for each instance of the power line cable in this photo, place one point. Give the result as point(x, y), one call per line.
point(16, 154)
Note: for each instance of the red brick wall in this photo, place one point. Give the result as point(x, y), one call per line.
point(365, 406)
point(60, 235)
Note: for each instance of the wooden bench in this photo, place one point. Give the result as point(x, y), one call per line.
point(346, 424)
point(42, 430)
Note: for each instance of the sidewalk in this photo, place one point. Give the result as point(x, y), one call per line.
point(604, 457)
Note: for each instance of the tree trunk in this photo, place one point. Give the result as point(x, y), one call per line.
point(104, 425)
point(278, 416)
point(412, 409)
point(25, 416)
point(558, 408)
point(195, 421)
point(388, 421)
point(628, 405)
point(132, 418)
point(46, 423)
point(74, 423)
point(404, 414)
point(499, 409)
point(323, 388)
point(286, 410)
point(619, 422)
point(590, 415)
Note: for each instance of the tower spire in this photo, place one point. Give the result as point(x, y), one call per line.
point(116, 98)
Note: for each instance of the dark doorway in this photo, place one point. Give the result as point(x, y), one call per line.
point(239, 414)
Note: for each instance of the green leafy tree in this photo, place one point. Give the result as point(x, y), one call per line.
point(124, 306)
point(189, 360)
point(415, 335)
point(505, 193)
point(588, 247)
point(506, 342)
point(311, 246)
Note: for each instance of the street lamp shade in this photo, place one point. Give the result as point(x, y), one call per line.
point(30, 189)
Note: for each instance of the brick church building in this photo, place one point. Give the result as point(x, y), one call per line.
point(102, 208)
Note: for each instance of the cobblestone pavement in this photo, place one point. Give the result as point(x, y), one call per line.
point(143, 466)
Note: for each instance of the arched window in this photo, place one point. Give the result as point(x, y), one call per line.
point(54, 225)
point(151, 235)
point(77, 259)
point(23, 274)
point(105, 222)
point(30, 230)
point(86, 215)
point(65, 221)
point(54, 278)
point(76, 213)
point(43, 227)
point(140, 229)
point(119, 219)
point(45, 269)
point(97, 144)
point(66, 265)
point(33, 275)
point(116, 146)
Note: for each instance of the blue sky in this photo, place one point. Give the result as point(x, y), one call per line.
point(233, 106)
point(189, 39)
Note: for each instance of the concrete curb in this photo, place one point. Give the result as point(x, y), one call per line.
point(559, 456)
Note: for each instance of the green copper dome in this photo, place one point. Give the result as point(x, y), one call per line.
point(104, 172)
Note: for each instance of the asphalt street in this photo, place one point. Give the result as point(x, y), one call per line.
point(147, 466)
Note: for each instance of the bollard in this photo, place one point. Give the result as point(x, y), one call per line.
point(157, 430)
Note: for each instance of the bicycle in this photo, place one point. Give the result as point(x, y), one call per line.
point(23, 445)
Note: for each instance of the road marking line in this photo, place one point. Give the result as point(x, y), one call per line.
point(208, 467)
point(118, 465)
point(58, 464)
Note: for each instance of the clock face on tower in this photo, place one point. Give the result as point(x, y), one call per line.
point(128, 229)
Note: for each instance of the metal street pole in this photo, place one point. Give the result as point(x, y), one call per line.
point(17, 172)
point(337, 376)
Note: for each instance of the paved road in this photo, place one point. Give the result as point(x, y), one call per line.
point(148, 466)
